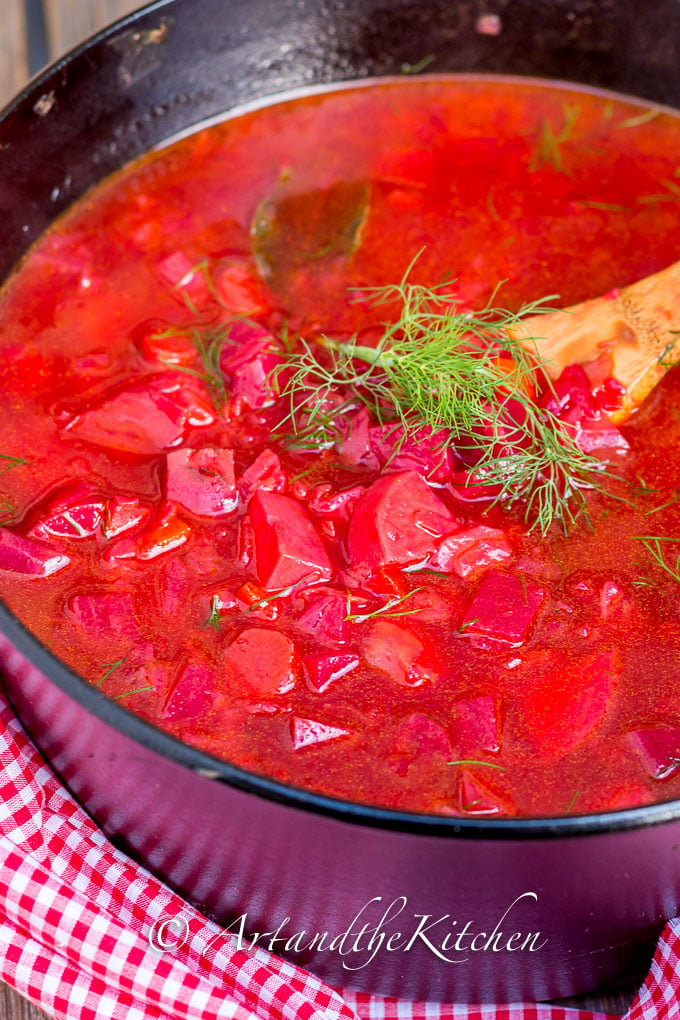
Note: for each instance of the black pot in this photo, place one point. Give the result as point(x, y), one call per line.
point(566, 905)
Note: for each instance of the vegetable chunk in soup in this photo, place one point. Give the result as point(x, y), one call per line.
point(276, 477)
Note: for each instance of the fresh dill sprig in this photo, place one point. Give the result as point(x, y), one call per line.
point(388, 609)
point(110, 667)
point(137, 690)
point(476, 761)
point(208, 343)
point(548, 152)
point(215, 618)
point(652, 543)
point(7, 463)
point(465, 377)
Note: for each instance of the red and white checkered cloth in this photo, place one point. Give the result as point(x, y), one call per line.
point(76, 917)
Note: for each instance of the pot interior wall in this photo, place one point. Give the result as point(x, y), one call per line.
point(181, 61)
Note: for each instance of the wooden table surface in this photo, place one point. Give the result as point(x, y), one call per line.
point(66, 23)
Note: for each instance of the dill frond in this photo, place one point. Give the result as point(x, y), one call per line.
point(463, 377)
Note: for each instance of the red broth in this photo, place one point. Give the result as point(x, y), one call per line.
point(335, 618)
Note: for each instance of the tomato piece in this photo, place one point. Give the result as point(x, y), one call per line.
point(288, 548)
point(262, 661)
point(30, 559)
point(169, 533)
point(504, 608)
point(397, 520)
point(202, 481)
point(241, 290)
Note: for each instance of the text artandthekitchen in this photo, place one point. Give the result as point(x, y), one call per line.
point(448, 938)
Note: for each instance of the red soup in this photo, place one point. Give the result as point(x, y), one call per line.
point(231, 495)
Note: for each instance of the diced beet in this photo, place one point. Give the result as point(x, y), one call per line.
point(167, 534)
point(395, 650)
point(250, 359)
point(596, 434)
point(568, 704)
point(287, 546)
point(354, 448)
point(475, 798)
point(180, 273)
point(570, 397)
point(465, 551)
point(173, 586)
point(324, 618)
point(74, 519)
point(325, 501)
point(145, 420)
point(322, 670)
point(614, 604)
point(659, 750)
point(397, 520)
point(102, 616)
point(264, 473)
point(28, 559)
point(428, 452)
point(476, 727)
point(470, 487)
point(308, 732)
point(203, 481)
point(262, 661)
point(504, 607)
point(419, 735)
point(193, 693)
point(123, 515)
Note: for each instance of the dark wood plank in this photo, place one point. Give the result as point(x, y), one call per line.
point(13, 55)
point(71, 21)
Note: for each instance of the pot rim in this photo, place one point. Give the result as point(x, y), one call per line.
point(213, 768)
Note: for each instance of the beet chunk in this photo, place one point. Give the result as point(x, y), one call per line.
point(504, 607)
point(287, 546)
point(262, 661)
point(567, 705)
point(659, 751)
point(27, 558)
point(193, 693)
point(203, 481)
point(397, 520)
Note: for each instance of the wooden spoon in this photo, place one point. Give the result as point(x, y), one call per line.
point(638, 326)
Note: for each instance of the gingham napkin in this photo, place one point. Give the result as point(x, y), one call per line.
point(82, 929)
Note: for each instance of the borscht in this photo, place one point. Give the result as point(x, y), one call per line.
point(276, 476)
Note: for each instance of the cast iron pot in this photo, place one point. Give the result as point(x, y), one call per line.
point(541, 908)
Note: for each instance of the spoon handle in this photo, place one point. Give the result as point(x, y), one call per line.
point(638, 326)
